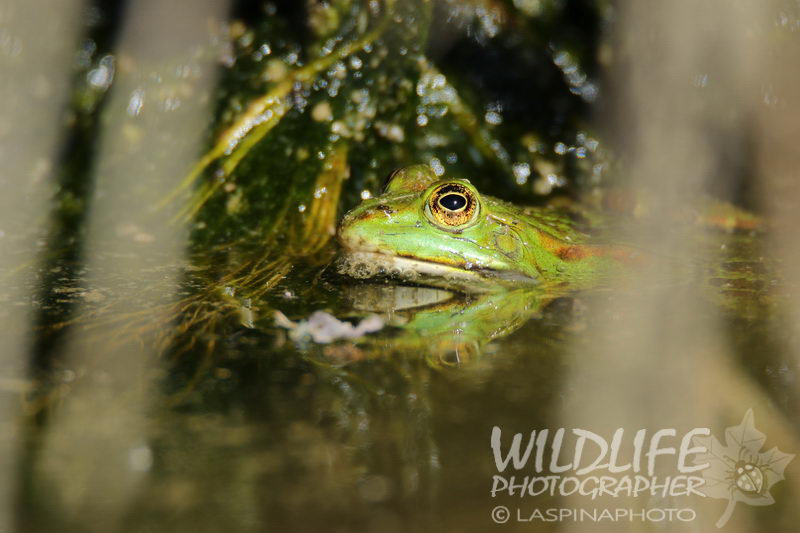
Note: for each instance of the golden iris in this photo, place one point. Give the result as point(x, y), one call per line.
point(453, 204)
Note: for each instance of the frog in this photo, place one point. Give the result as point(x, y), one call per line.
point(450, 327)
point(441, 231)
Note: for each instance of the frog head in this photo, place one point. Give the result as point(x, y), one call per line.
point(436, 231)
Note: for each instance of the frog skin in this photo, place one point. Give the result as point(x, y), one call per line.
point(443, 232)
point(450, 328)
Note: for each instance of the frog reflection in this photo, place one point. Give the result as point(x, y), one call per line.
point(449, 328)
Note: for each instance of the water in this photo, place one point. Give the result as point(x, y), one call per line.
point(244, 427)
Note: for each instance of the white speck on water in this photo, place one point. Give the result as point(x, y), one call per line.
point(452, 158)
point(422, 120)
point(366, 195)
point(340, 128)
point(356, 63)
point(498, 149)
point(522, 172)
point(494, 118)
point(301, 208)
point(436, 140)
point(437, 166)
point(319, 192)
point(588, 92)
point(136, 102)
point(393, 132)
point(560, 148)
point(102, 76)
point(338, 71)
point(556, 180)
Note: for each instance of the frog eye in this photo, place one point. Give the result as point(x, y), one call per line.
point(453, 204)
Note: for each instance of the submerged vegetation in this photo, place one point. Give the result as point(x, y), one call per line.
point(315, 106)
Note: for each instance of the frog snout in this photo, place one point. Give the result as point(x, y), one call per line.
point(353, 232)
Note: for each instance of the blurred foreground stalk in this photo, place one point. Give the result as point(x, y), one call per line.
point(94, 449)
point(33, 88)
point(660, 338)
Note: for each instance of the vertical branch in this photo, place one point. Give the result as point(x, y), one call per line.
point(34, 77)
point(95, 446)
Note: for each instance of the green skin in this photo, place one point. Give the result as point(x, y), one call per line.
point(519, 251)
point(397, 235)
point(450, 328)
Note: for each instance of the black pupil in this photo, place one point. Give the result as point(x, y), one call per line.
point(452, 202)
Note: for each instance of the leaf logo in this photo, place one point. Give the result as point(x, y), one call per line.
point(739, 471)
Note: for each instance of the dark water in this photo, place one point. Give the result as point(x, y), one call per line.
point(245, 428)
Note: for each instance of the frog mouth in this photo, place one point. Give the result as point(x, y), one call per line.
point(366, 264)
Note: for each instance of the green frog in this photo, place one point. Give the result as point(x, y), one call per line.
point(442, 232)
point(448, 327)
point(509, 263)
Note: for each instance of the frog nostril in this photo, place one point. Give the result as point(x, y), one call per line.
point(385, 208)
